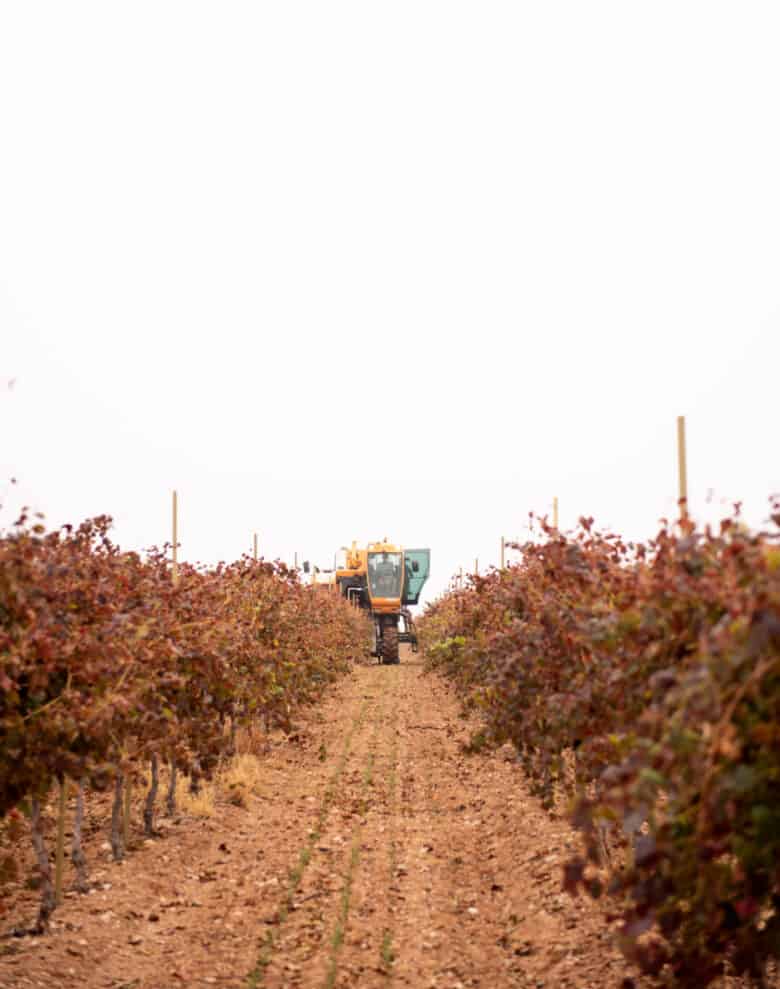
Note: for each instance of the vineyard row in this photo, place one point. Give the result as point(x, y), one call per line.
point(108, 666)
point(643, 682)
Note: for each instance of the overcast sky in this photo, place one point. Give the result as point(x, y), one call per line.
point(343, 271)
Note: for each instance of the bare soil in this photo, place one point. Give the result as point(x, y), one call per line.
point(371, 852)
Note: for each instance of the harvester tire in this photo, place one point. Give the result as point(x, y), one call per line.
point(390, 645)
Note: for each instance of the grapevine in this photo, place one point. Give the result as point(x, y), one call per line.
point(107, 665)
point(653, 670)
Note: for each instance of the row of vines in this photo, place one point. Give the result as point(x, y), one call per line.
point(642, 684)
point(109, 667)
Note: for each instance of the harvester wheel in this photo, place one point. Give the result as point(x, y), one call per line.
point(390, 645)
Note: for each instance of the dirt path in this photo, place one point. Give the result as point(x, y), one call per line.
point(373, 853)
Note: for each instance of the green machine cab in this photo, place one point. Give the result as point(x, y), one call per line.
point(417, 564)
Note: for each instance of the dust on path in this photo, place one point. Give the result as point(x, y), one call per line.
point(374, 853)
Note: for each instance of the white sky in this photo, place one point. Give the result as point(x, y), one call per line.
point(348, 270)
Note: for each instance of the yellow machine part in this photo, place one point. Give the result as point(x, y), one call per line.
point(357, 566)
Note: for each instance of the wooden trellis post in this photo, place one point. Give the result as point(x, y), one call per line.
point(175, 549)
point(682, 467)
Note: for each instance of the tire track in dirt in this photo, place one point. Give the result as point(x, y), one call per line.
point(258, 976)
point(387, 948)
point(367, 924)
point(356, 848)
point(447, 870)
point(327, 905)
point(307, 950)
